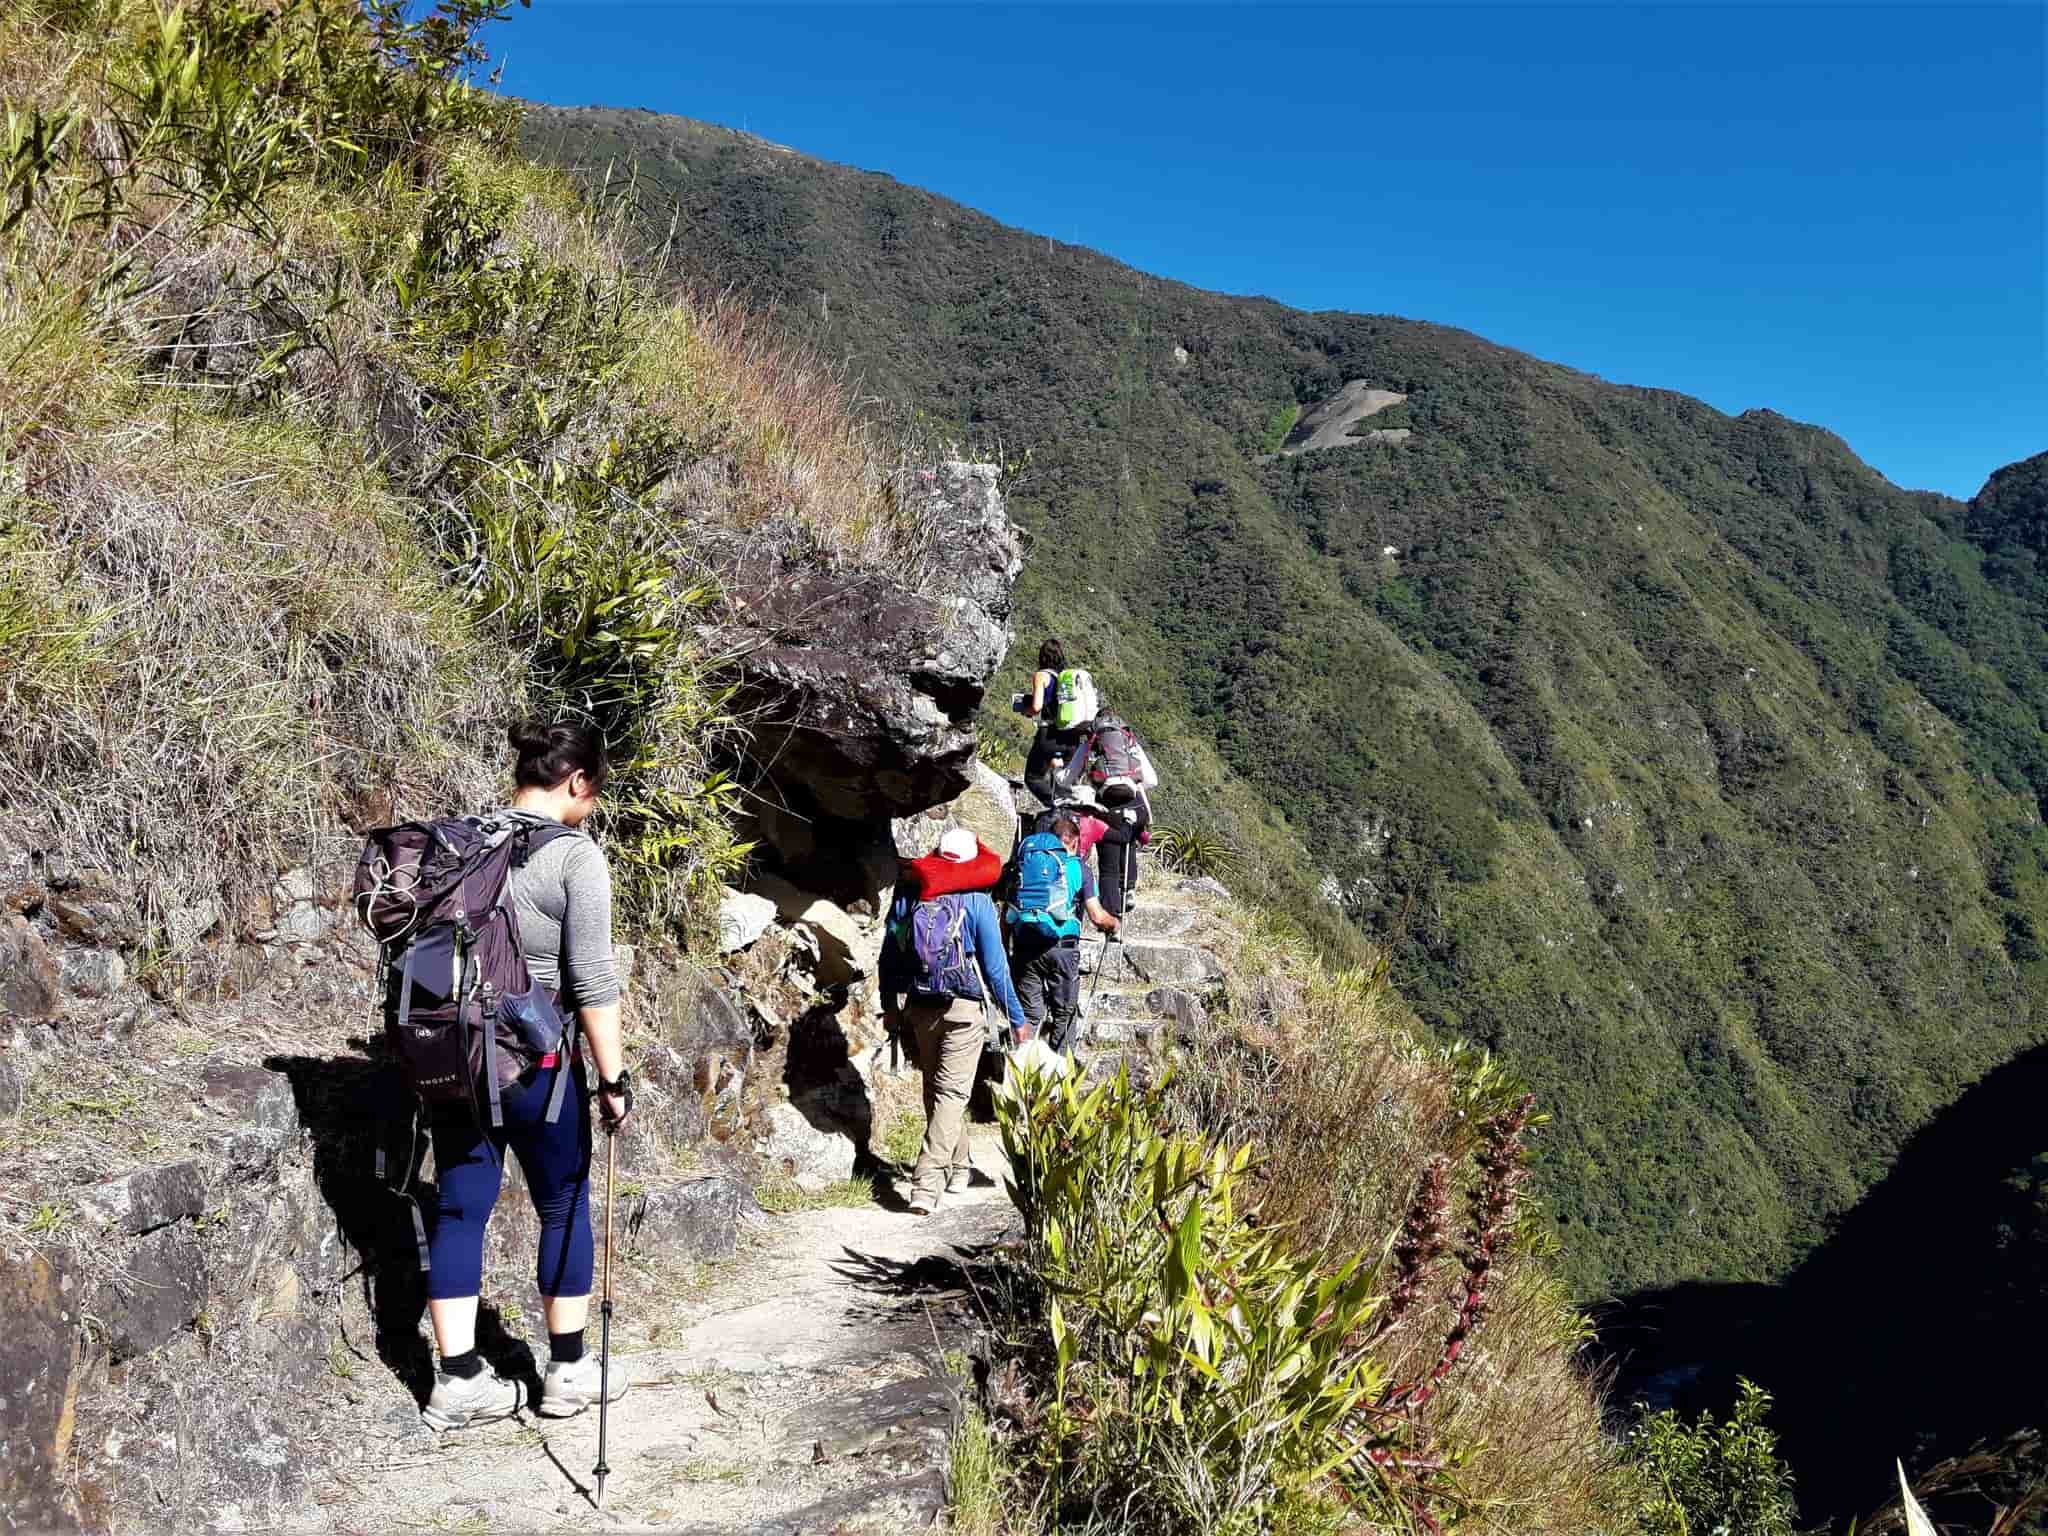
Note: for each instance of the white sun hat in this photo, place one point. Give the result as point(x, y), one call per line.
point(958, 846)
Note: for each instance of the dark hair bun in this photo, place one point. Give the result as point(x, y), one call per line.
point(529, 738)
point(549, 754)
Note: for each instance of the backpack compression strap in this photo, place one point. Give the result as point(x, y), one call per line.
point(419, 1226)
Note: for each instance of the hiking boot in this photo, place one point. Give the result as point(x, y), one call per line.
point(571, 1386)
point(923, 1203)
point(459, 1401)
point(960, 1180)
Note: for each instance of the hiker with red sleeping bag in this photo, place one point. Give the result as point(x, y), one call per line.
point(941, 960)
point(937, 874)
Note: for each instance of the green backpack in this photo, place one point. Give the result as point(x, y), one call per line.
point(1074, 699)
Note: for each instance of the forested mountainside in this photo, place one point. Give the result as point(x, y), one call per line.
point(1679, 756)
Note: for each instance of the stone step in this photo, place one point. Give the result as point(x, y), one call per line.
point(1119, 1028)
point(1158, 922)
point(1154, 963)
point(1102, 1064)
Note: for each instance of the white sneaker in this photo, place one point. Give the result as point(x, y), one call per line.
point(571, 1386)
point(459, 1401)
point(922, 1204)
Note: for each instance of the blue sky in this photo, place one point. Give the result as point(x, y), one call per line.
point(1835, 211)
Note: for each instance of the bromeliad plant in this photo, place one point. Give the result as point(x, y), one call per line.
point(1203, 1376)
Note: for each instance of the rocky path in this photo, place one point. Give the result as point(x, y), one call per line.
point(804, 1386)
point(805, 1390)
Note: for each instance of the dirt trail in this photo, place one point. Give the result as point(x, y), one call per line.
point(803, 1391)
point(804, 1388)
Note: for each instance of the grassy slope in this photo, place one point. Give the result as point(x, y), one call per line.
point(349, 417)
point(1678, 755)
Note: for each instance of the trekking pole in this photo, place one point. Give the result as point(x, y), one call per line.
point(604, 1360)
point(1101, 965)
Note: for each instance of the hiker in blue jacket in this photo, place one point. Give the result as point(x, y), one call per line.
point(941, 960)
point(1051, 889)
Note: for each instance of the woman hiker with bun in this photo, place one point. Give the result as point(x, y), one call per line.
point(562, 898)
point(1053, 743)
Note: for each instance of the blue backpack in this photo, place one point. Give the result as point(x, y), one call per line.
point(1045, 896)
point(938, 939)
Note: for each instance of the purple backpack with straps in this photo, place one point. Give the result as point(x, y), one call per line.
point(938, 940)
point(460, 1008)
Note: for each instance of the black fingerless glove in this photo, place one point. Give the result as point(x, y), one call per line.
point(620, 1087)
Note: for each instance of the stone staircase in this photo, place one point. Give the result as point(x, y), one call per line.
point(1138, 990)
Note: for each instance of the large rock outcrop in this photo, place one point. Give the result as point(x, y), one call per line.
point(861, 687)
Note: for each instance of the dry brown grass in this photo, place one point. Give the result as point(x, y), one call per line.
point(789, 441)
point(1325, 1075)
point(223, 616)
point(257, 643)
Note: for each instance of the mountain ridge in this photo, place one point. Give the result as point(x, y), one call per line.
point(1677, 755)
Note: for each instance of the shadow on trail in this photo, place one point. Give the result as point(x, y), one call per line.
point(351, 1107)
point(931, 1276)
point(1915, 1331)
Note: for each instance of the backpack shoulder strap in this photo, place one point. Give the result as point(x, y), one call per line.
point(530, 834)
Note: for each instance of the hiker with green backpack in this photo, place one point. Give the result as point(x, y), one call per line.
point(496, 948)
point(941, 961)
point(1062, 700)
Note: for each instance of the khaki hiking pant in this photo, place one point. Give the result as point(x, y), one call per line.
point(949, 1040)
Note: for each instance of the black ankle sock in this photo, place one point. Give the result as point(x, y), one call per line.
point(565, 1348)
point(468, 1365)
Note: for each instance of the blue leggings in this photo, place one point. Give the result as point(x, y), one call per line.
point(468, 1164)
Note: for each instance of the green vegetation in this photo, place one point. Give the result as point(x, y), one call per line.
point(978, 1480)
point(1713, 1476)
point(1203, 1378)
point(331, 428)
point(902, 1137)
point(1282, 423)
point(1388, 419)
point(1677, 758)
point(783, 1195)
point(1196, 850)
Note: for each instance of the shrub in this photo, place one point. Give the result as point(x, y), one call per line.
point(1710, 1476)
point(1191, 850)
point(1204, 1378)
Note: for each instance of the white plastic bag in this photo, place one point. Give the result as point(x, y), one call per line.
point(1034, 1055)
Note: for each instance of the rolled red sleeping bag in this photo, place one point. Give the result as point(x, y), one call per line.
point(934, 876)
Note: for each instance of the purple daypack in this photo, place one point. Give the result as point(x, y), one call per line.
point(457, 993)
point(938, 939)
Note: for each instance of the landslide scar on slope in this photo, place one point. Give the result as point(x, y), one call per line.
point(1327, 424)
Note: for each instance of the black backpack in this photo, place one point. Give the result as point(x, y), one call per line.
point(456, 990)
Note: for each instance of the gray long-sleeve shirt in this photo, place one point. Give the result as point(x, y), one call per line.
point(562, 900)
